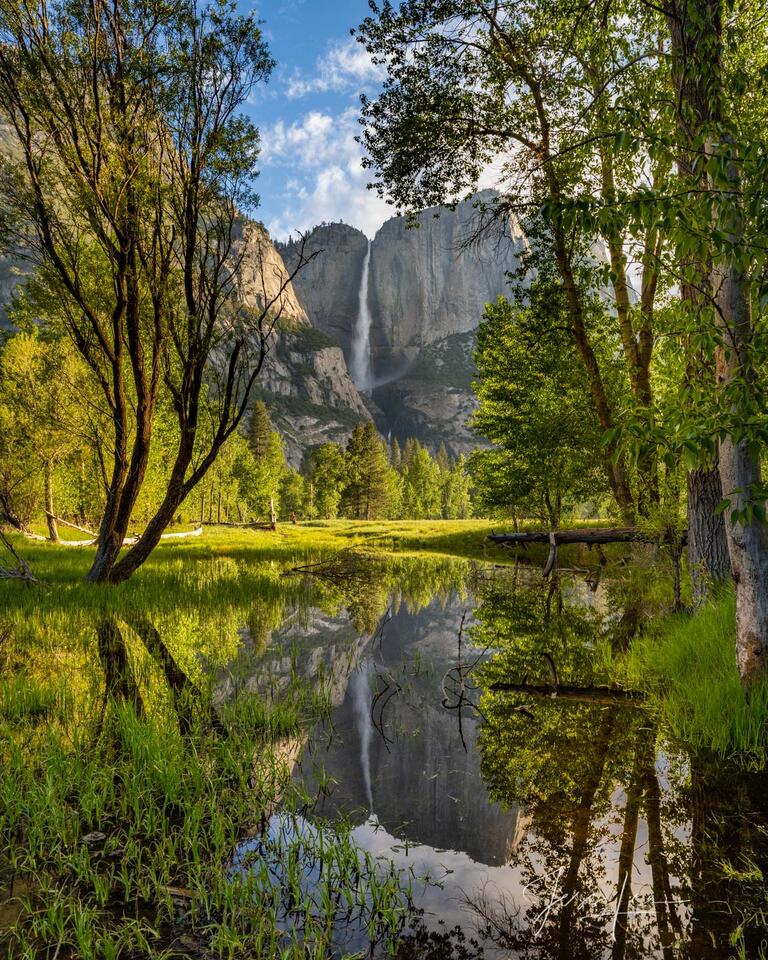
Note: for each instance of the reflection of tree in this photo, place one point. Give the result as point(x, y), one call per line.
point(120, 681)
point(729, 858)
point(586, 775)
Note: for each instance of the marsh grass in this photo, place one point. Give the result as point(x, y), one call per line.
point(687, 665)
point(124, 833)
point(119, 825)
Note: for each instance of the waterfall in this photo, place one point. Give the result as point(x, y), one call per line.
point(360, 365)
point(361, 692)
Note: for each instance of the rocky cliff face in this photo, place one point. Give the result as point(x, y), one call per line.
point(329, 286)
point(305, 382)
point(427, 290)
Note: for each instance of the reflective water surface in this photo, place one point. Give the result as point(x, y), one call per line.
point(520, 824)
point(543, 826)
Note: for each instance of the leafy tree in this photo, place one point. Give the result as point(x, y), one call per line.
point(131, 167)
point(44, 411)
point(470, 82)
point(327, 473)
point(534, 408)
point(293, 495)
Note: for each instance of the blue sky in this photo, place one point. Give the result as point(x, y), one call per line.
point(307, 115)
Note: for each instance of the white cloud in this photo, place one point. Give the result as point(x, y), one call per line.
point(346, 66)
point(325, 178)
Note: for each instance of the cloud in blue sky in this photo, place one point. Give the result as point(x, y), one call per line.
point(310, 164)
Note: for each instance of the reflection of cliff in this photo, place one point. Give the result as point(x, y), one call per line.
point(310, 645)
point(424, 785)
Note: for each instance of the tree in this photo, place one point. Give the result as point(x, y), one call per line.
point(395, 454)
point(421, 485)
point(457, 492)
point(327, 473)
point(534, 408)
point(260, 472)
point(697, 31)
point(45, 409)
point(130, 169)
point(469, 82)
point(371, 488)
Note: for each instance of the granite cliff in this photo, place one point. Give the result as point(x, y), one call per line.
point(427, 289)
point(305, 382)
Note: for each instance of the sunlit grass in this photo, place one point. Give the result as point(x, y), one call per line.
point(687, 665)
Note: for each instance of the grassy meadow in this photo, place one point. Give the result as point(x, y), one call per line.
point(128, 782)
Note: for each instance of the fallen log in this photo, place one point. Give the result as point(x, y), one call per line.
point(588, 535)
point(592, 536)
point(68, 523)
point(601, 696)
point(127, 542)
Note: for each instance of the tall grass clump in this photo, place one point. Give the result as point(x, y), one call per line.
point(687, 666)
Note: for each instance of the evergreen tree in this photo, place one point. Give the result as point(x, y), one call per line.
point(371, 489)
point(456, 492)
point(260, 475)
point(411, 445)
point(421, 484)
point(259, 430)
point(395, 455)
point(442, 459)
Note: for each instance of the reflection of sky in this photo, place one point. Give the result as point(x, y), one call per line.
point(422, 765)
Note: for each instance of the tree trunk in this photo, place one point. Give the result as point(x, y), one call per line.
point(708, 560)
point(53, 532)
point(696, 32)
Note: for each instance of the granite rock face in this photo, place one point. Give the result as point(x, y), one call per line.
point(328, 287)
point(427, 291)
point(427, 283)
point(304, 382)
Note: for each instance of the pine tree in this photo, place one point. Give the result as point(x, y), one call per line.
point(421, 484)
point(395, 455)
point(370, 491)
point(442, 459)
point(259, 430)
point(411, 446)
point(456, 492)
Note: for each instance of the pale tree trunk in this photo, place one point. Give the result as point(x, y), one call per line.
point(53, 530)
point(740, 477)
point(696, 32)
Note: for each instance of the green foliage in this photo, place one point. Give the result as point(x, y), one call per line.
point(327, 474)
point(534, 408)
point(687, 665)
point(371, 488)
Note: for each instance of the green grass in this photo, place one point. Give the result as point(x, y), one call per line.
point(168, 801)
point(687, 665)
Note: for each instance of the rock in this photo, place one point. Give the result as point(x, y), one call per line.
point(328, 287)
point(427, 293)
point(426, 284)
point(434, 400)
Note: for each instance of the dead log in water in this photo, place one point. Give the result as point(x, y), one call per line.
point(594, 536)
point(598, 696)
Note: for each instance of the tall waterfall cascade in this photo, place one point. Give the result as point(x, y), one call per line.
point(361, 691)
point(360, 366)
